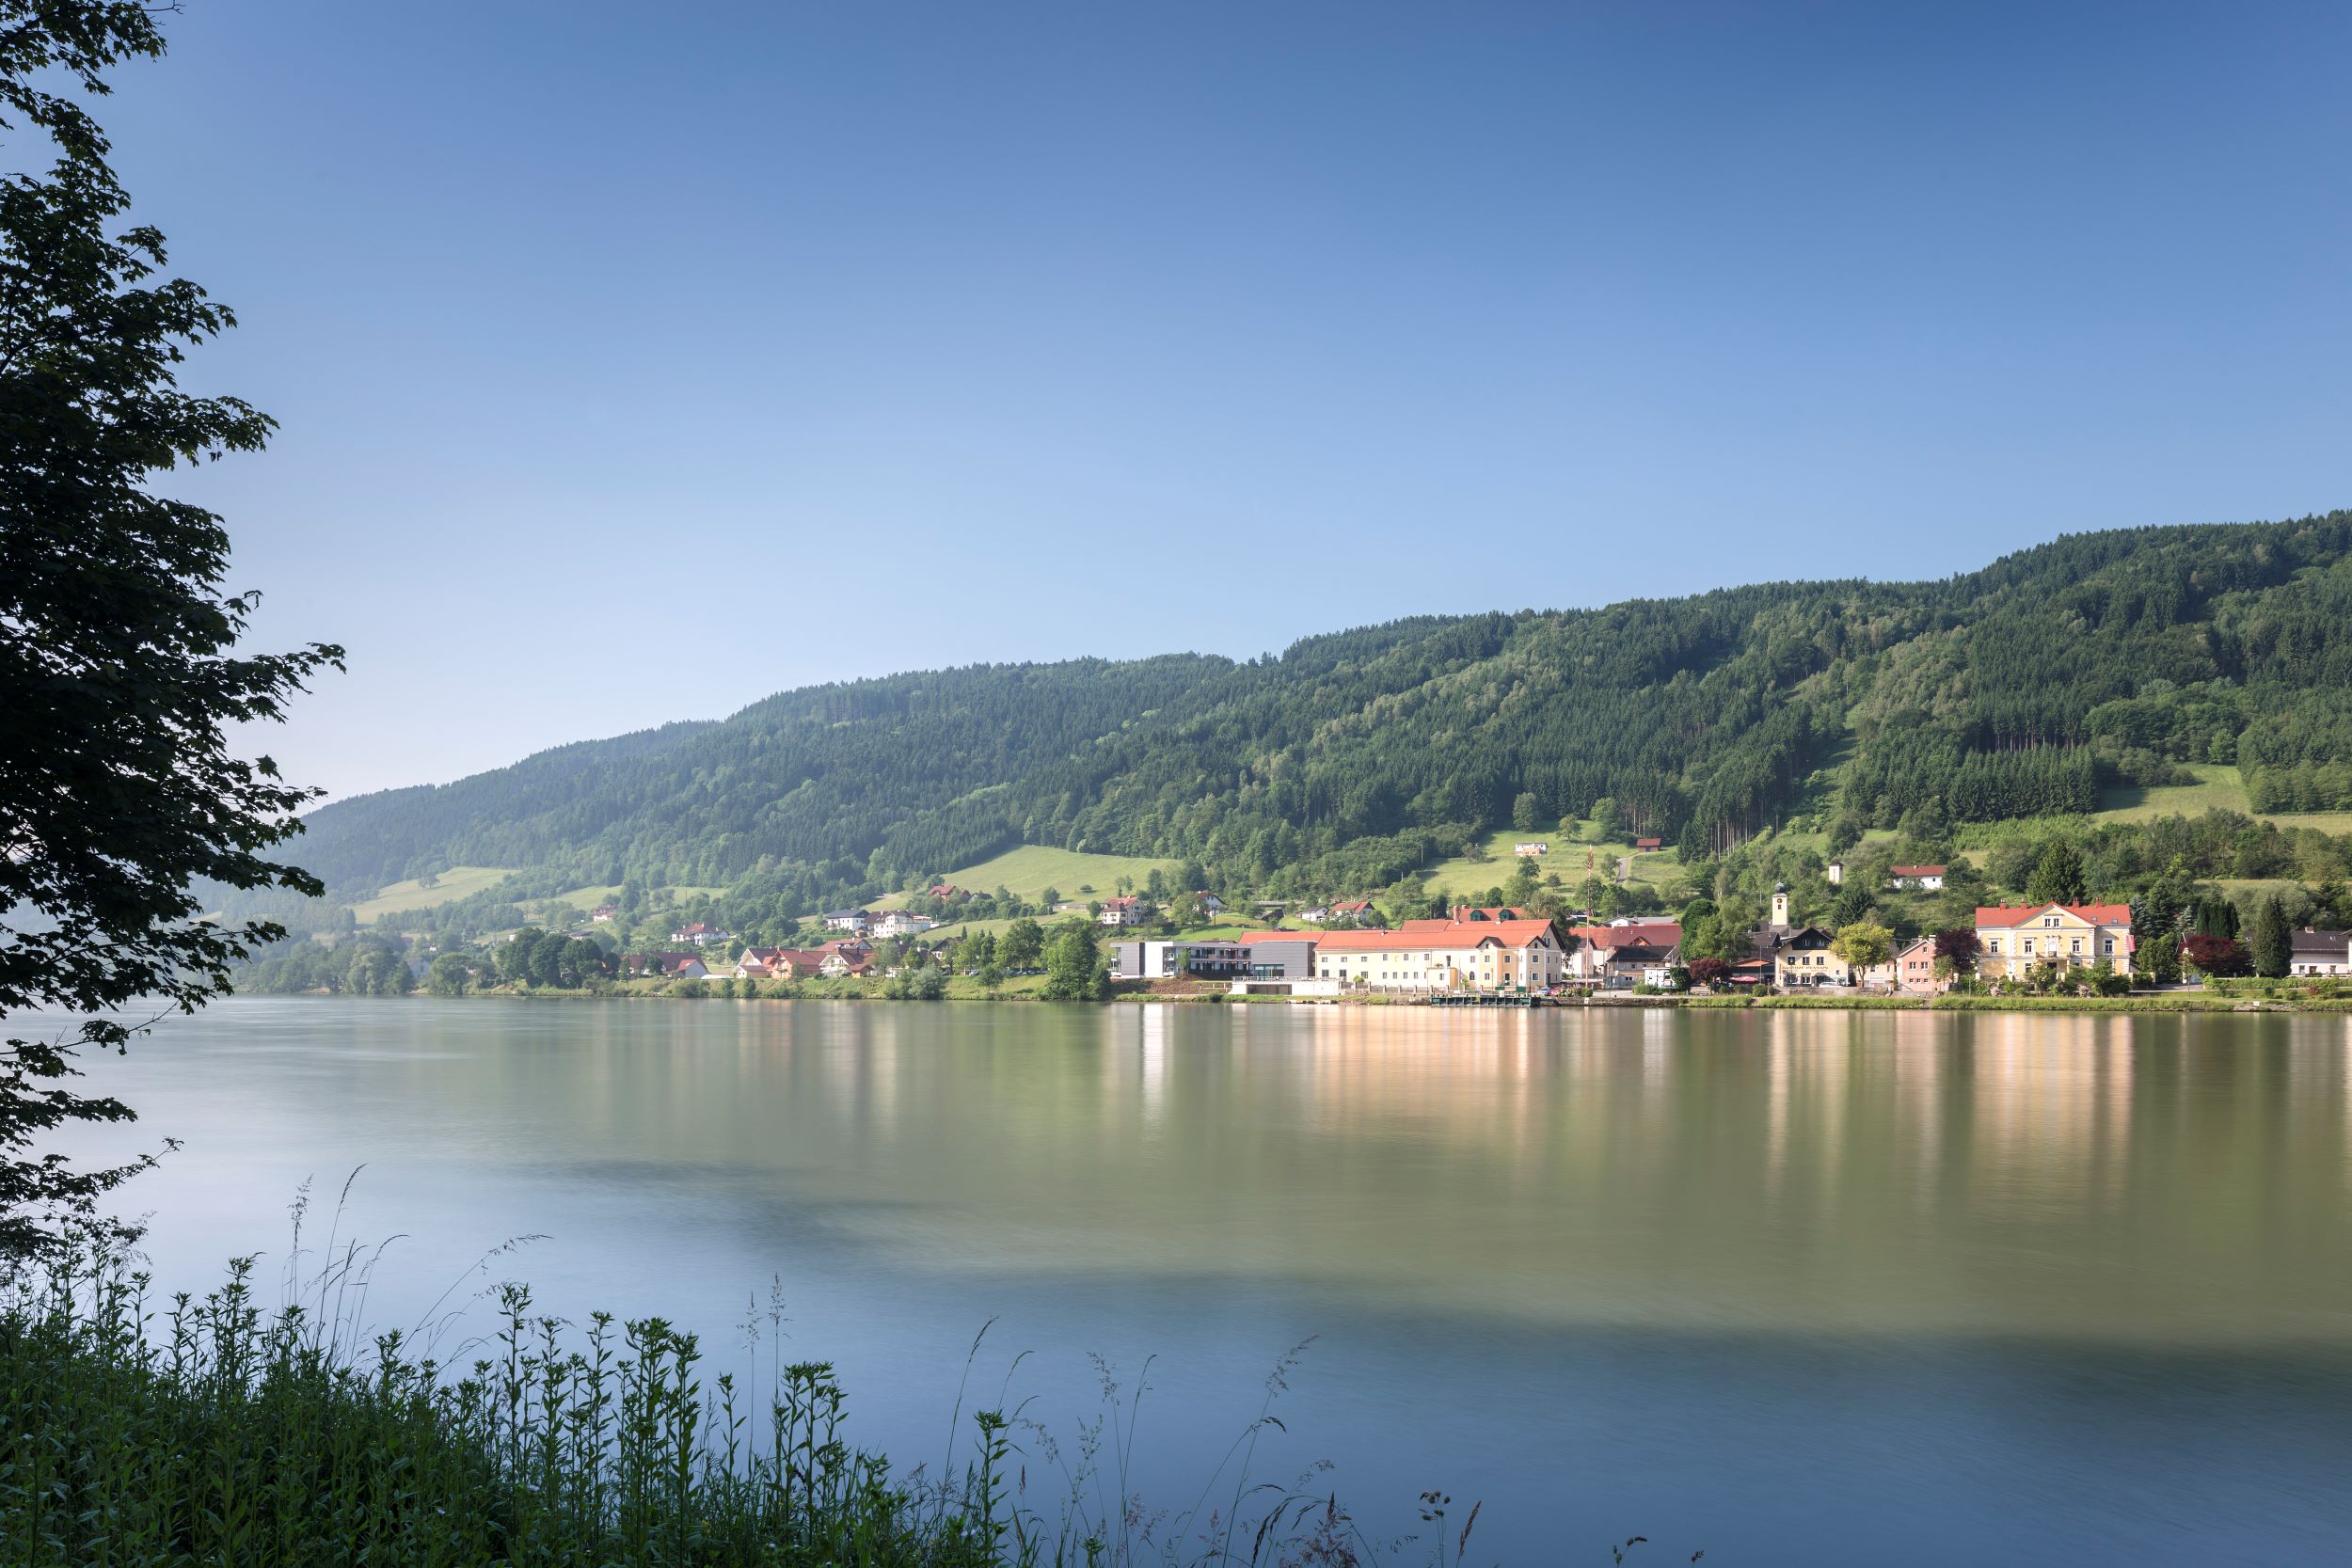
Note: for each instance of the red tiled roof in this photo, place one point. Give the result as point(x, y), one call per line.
point(1247, 938)
point(1464, 934)
point(2017, 915)
point(1648, 843)
point(1918, 871)
point(1654, 933)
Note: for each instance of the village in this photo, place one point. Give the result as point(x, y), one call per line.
point(1347, 948)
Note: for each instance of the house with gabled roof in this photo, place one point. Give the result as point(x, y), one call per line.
point(1622, 949)
point(2319, 953)
point(757, 963)
point(1928, 878)
point(848, 956)
point(1915, 968)
point(2015, 938)
point(1803, 959)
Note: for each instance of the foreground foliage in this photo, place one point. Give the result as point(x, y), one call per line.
point(121, 671)
point(215, 1432)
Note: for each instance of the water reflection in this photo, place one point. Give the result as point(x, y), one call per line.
point(1812, 1276)
point(2104, 1176)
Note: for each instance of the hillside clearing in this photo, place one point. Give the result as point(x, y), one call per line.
point(458, 882)
point(2217, 788)
point(1469, 876)
point(1032, 868)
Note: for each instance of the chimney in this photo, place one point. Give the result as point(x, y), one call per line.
point(1780, 906)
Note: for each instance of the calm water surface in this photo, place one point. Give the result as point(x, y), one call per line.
point(1791, 1287)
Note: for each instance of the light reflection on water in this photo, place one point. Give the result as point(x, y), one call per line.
point(1793, 1285)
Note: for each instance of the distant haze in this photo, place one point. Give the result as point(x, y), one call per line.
point(636, 361)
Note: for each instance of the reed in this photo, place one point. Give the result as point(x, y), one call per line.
point(217, 1431)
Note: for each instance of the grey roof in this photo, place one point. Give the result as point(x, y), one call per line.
point(2320, 941)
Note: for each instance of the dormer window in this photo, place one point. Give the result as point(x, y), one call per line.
point(2049, 922)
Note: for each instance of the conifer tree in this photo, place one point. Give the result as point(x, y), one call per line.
point(2059, 880)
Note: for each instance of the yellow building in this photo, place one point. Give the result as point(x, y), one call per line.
point(1805, 958)
point(2014, 938)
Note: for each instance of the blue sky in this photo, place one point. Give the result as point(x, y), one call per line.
point(636, 361)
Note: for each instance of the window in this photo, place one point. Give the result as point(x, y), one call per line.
point(2073, 945)
point(2049, 922)
point(2030, 946)
point(1993, 945)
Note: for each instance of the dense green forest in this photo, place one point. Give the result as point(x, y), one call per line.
point(2024, 690)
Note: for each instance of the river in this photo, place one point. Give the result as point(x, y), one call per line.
point(1790, 1287)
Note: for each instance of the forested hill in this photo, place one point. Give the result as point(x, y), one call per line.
point(2018, 690)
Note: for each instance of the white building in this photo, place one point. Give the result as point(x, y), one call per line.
point(2320, 953)
point(1444, 955)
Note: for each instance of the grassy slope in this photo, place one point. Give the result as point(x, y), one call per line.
point(1467, 876)
point(1032, 868)
point(2217, 787)
point(586, 899)
point(458, 882)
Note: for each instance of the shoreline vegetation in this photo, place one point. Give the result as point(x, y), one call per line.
point(221, 1430)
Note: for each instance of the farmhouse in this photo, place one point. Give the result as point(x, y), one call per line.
point(1928, 878)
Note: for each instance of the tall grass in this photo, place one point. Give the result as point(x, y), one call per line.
point(217, 1431)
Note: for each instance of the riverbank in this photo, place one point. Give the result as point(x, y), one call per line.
point(2283, 996)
